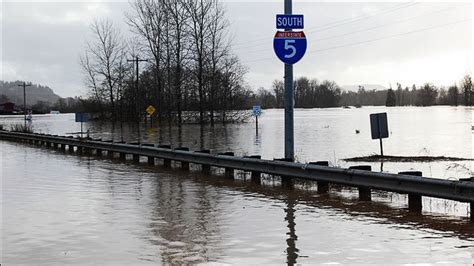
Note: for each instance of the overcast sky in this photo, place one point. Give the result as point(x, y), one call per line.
point(350, 43)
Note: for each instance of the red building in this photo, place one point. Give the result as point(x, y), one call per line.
point(7, 108)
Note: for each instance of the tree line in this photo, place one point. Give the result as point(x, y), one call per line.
point(314, 94)
point(189, 64)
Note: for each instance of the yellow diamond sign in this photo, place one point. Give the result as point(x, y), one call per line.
point(150, 110)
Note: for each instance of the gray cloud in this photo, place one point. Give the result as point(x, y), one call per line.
point(41, 42)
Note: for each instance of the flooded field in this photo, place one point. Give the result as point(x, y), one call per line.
point(62, 208)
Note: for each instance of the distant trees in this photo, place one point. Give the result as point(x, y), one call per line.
point(453, 95)
point(427, 95)
point(312, 94)
point(190, 66)
point(4, 99)
point(466, 86)
point(265, 98)
point(391, 98)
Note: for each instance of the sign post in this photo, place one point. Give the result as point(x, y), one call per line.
point(150, 110)
point(289, 47)
point(379, 128)
point(82, 117)
point(256, 111)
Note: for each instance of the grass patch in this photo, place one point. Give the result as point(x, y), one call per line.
point(389, 158)
point(21, 128)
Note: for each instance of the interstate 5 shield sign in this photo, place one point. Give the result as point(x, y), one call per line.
point(290, 46)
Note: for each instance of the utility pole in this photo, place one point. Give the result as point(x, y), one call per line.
point(137, 60)
point(24, 85)
point(289, 102)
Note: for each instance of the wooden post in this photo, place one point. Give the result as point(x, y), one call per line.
point(323, 186)
point(365, 194)
point(136, 158)
point(205, 168)
point(229, 172)
point(415, 203)
point(184, 165)
point(255, 176)
point(166, 162)
point(98, 152)
point(470, 179)
point(123, 156)
point(286, 181)
point(151, 160)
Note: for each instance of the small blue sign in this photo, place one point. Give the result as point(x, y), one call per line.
point(290, 46)
point(289, 22)
point(82, 117)
point(256, 110)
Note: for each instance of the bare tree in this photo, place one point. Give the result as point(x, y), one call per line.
point(198, 11)
point(104, 60)
point(466, 85)
point(148, 22)
point(218, 50)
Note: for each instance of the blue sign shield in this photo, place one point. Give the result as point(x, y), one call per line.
point(290, 46)
point(256, 110)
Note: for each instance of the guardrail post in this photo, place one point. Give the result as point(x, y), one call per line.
point(364, 192)
point(184, 165)
point(151, 159)
point(55, 145)
point(166, 162)
point(286, 181)
point(470, 179)
point(323, 186)
point(63, 147)
point(87, 151)
point(98, 152)
point(205, 168)
point(415, 203)
point(123, 156)
point(255, 176)
point(229, 172)
point(136, 158)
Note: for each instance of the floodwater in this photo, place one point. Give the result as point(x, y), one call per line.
point(68, 209)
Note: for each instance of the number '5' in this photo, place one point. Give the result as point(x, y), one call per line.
point(288, 45)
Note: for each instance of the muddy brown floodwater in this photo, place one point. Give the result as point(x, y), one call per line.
point(68, 209)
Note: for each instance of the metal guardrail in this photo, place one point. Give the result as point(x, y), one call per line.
point(423, 186)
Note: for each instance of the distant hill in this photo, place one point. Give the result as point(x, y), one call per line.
point(367, 87)
point(34, 93)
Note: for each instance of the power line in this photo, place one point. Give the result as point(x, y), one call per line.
point(373, 40)
point(338, 23)
point(387, 24)
point(366, 29)
point(362, 18)
point(394, 35)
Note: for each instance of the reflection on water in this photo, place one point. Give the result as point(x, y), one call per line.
point(291, 250)
point(63, 208)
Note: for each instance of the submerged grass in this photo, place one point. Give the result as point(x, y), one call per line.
point(389, 158)
point(28, 128)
